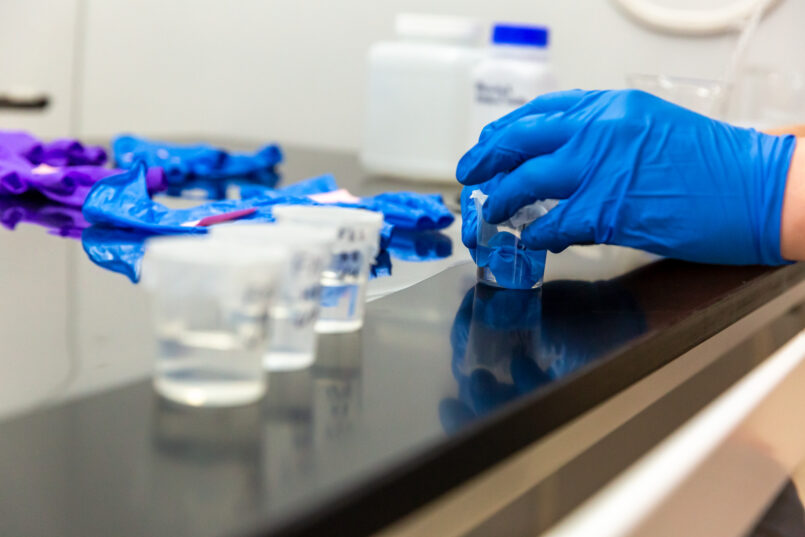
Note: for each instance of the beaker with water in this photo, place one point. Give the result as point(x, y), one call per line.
point(210, 308)
point(768, 98)
point(501, 258)
point(706, 97)
point(292, 343)
point(344, 280)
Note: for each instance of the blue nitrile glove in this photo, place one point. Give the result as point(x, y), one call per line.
point(634, 170)
point(469, 220)
point(183, 162)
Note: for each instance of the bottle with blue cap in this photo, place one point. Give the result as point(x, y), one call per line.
point(514, 70)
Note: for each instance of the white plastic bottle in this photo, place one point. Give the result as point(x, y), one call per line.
point(514, 70)
point(418, 92)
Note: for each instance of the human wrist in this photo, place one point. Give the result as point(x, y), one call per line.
point(792, 221)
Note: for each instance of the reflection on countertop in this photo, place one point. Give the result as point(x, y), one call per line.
point(510, 342)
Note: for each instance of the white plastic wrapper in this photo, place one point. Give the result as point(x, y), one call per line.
point(524, 216)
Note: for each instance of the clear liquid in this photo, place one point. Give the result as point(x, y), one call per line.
point(288, 361)
point(208, 368)
point(515, 269)
point(501, 259)
point(293, 338)
point(342, 304)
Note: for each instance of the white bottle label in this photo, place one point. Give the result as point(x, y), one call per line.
point(503, 95)
point(501, 86)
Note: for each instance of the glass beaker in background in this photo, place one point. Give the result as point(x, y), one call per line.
point(766, 97)
point(210, 311)
point(295, 312)
point(707, 97)
point(344, 280)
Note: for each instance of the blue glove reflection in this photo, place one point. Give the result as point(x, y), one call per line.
point(513, 266)
point(117, 250)
point(493, 338)
point(510, 342)
point(634, 170)
point(420, 245)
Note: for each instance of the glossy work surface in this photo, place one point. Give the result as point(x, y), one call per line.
point(444, 380)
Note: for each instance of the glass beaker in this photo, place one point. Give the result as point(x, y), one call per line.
point(501, 258)
point(210, 311)
point(292, 343)
point(707, 97)
point(344, 280)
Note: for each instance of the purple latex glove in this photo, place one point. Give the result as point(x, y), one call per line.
point(63, 170)
point(20, 143)
point(69, 152)
point(11, 184)
point(70, 185)
point(61, 152)
point(14, 170)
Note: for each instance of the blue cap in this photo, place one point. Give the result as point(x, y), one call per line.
point(520, 35)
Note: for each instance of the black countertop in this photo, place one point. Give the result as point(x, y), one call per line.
point(444, 380)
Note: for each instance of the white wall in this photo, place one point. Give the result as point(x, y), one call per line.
point(293, 70)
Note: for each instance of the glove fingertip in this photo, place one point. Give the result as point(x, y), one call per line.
point(486, 132)
point(538, 236)
point(468, 236)
point(494, 211)
point(488, 213)
point(465, 167)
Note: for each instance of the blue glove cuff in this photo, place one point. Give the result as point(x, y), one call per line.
point(775, 159)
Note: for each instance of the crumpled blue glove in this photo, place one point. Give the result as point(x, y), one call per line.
point(633, 170)
point(183, 162)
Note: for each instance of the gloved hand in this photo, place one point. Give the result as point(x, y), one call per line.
point(634, 170)
point(469, 220)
